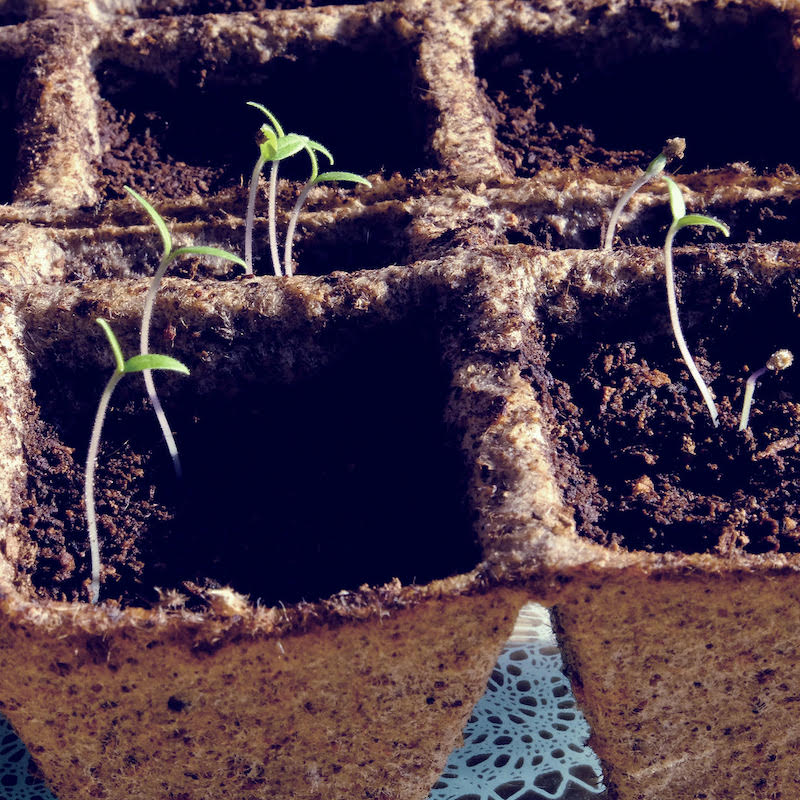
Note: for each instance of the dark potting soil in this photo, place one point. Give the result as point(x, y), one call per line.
point(289, 492)
point(612, 95)
point(639, 457)
point(168, 141)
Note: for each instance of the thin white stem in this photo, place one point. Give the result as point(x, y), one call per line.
point(620, 207)
point(251, 209)
point(88, 493)
point(273, 236)
point(672, 302)
point(287, 260)
point(749, 389)
point(144, 345)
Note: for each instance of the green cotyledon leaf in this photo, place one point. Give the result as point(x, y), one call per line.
point(154, 361)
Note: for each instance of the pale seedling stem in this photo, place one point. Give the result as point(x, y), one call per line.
point(168, 256)
point(673, 149)
point(780, 359)
point(140, 363)
point(680, 219)
point(313, 180)
point(273, 235)
point(251, 209)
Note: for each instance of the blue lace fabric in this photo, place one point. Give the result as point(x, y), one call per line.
point(525, 740)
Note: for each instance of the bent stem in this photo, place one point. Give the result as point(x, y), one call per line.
point(749, 389)
point(144, 347)
point(313, 181)
point(672, 302)
point(674, 148)
point(680, 219)
point(779, 360)
point(287, 253)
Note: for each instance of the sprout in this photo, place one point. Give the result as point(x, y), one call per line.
point(779, 360)
point(674, 148)
point(140, 363)
point(680, 219)
point(167, 257)
point(274, 145)
point(310, 184)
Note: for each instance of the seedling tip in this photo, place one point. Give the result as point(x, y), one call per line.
point(779, 360)
point(673, 149)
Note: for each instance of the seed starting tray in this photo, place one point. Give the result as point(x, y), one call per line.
point(455, 406)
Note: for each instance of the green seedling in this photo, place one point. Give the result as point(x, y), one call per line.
point(141, 363)
point(315, 178)
point(680, 219)
point(779, 360)
point(168, 256)
point(674, 148)
point(274, 146)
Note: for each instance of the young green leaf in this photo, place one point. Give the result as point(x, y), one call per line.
point(112, 340)
point(154, 361)
point(699, 220)
point(269, 115)
point(155, 216)
point(343, 176)
point(676, 204)
point(311, 147)
point(201, 250)
point(288, 145)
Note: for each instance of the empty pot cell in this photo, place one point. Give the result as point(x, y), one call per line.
point(367, 241)
point(293, 488)
point(10, 71)
point(641, 462)
point(357, 99)
point(609, 94)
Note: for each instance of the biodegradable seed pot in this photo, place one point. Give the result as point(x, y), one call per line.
point(459, 401)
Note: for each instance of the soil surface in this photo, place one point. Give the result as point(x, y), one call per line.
point(289, 492)
point(166, 140)
point(611, 96)
point(639, 457)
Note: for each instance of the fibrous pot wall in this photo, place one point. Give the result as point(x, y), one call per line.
point(459, 402)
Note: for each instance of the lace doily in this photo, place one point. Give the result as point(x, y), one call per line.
point(18, 779)
point(525, 739)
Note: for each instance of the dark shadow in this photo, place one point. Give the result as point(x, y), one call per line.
point(362, 101)
point(290, 492)
point(10, 72)
point(612, 95)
